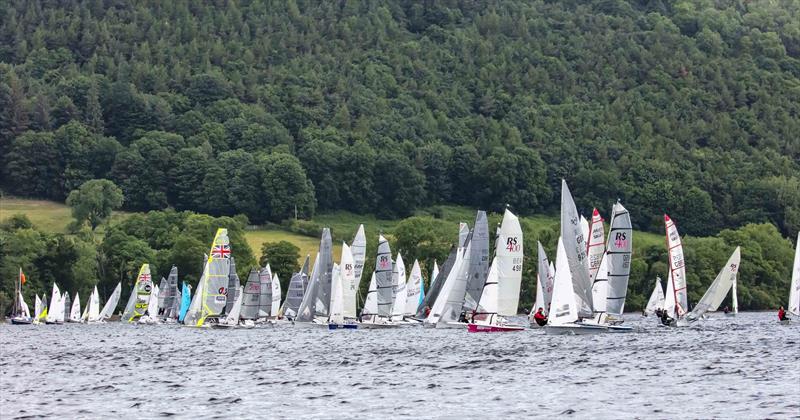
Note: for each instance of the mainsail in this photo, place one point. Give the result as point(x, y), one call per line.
point(794, 289)
point(414, 288)
point(325, 272)
point(265, 288)
point(212, 288)
point(596, 245)
point(441, 304)
point(93, 306)
point(233, 286)
point(186, 301)
point(111, 303)
point(295, 291)
point(718, 289)
point(618, 254)
point(75, 311)
point(336, 303)
point(564, 309)
point(454, 298)
point(140, 300)
point(171, 302)
point(276, 296)
point(575, 247)
point(656, 300)
point(437, 281)
point(232, 317)
point(544, 282)
point(399, 289)
point(478, 263)
point(383, 278)
point(677, 270)
point(305, 311)
point(370, 309)
point(358, 250)
point(487, 312)
point(349, 281)
point(509, 264)
point(600, 286)
point(66, 303)
point(252, 296)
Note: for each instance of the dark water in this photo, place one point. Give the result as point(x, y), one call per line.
point(742, 367)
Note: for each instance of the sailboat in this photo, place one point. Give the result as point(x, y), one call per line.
point(55, 312)
point(676, 302)
point(66, 304)
point(20, 314)
point(275, 306)
point(544, 286)
point(349, 284)
point(38, 309)
point(75, 310)
point(92, 311)
point(230, 319)
point(369, 313)
point(186, 301)
point(316, 301)
point(210, 298)
point(153, 303)
point(383, 289)
point(794, 289)
point(716, 292)
point(358, 249)
point(438, 280)
point(501, 287)
point(140, 296)
point(111, 304)
point(415, 288)
point(595, 246)
point(656, 300)
point(575, 300)
point(169, 309)
point(295, 291)
point(251, 299)
point(399, 289)
point(563, 317)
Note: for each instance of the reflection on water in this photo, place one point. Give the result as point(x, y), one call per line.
point(743, 367)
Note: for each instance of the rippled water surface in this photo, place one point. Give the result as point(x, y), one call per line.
point(742, 367)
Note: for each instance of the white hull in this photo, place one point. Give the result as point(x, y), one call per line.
point(574, 329)
point(373, 326)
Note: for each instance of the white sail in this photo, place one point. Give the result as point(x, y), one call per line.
point(441, 303)
point(75, 311)
point(596, 246)
point(585, 230)
point(435, 273)
point(656, 300)
point(276, 296)
point(305, 312)
point(265, 287)
point(600, 286)
point(669, 296)
point(413, 289)
point(489, 304)
point(564, 308)
point(54, 309)
point(399, 285)
point(463, 234)
point(575, 247)
point(62, 307)
point(358, 250)
point(370, 308)
point(336, 304)
point(677, 270)
point(383, 278)
point(251, 302)
point(37, 307)
point(232, 318)
point(111, 303)
point(152, 305)
point(544, 282)
point(734, 297)
point(94, 306)
point(26, 312)
point(618, 254)
point(719, 288)
point(794, 289)
point(510, 255)
point(349, 281)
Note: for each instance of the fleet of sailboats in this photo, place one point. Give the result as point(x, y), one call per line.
point(583, 291)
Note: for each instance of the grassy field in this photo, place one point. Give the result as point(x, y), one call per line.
point(54, 217)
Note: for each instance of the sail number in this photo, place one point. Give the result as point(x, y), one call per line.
point(512, 244)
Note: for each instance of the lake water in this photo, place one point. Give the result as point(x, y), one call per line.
point(733, 367)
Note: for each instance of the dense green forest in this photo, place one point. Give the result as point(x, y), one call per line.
point(217, 110)
point(255, 107)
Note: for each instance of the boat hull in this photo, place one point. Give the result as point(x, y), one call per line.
point(474, 328)
point(619, 329)
point(21, 321)
point(574, 329)
point(342, 326)
point(371, 326)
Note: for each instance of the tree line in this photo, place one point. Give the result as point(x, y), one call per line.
point(267, 108)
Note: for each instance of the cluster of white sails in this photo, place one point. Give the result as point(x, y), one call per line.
point(63, 309)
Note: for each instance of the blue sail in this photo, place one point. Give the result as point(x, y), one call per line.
point(186, 300)
point(421, 290)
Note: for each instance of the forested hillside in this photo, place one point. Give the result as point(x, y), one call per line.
point(255, 107)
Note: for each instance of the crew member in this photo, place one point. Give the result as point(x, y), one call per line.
point(540, 317)
point(782, 315)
